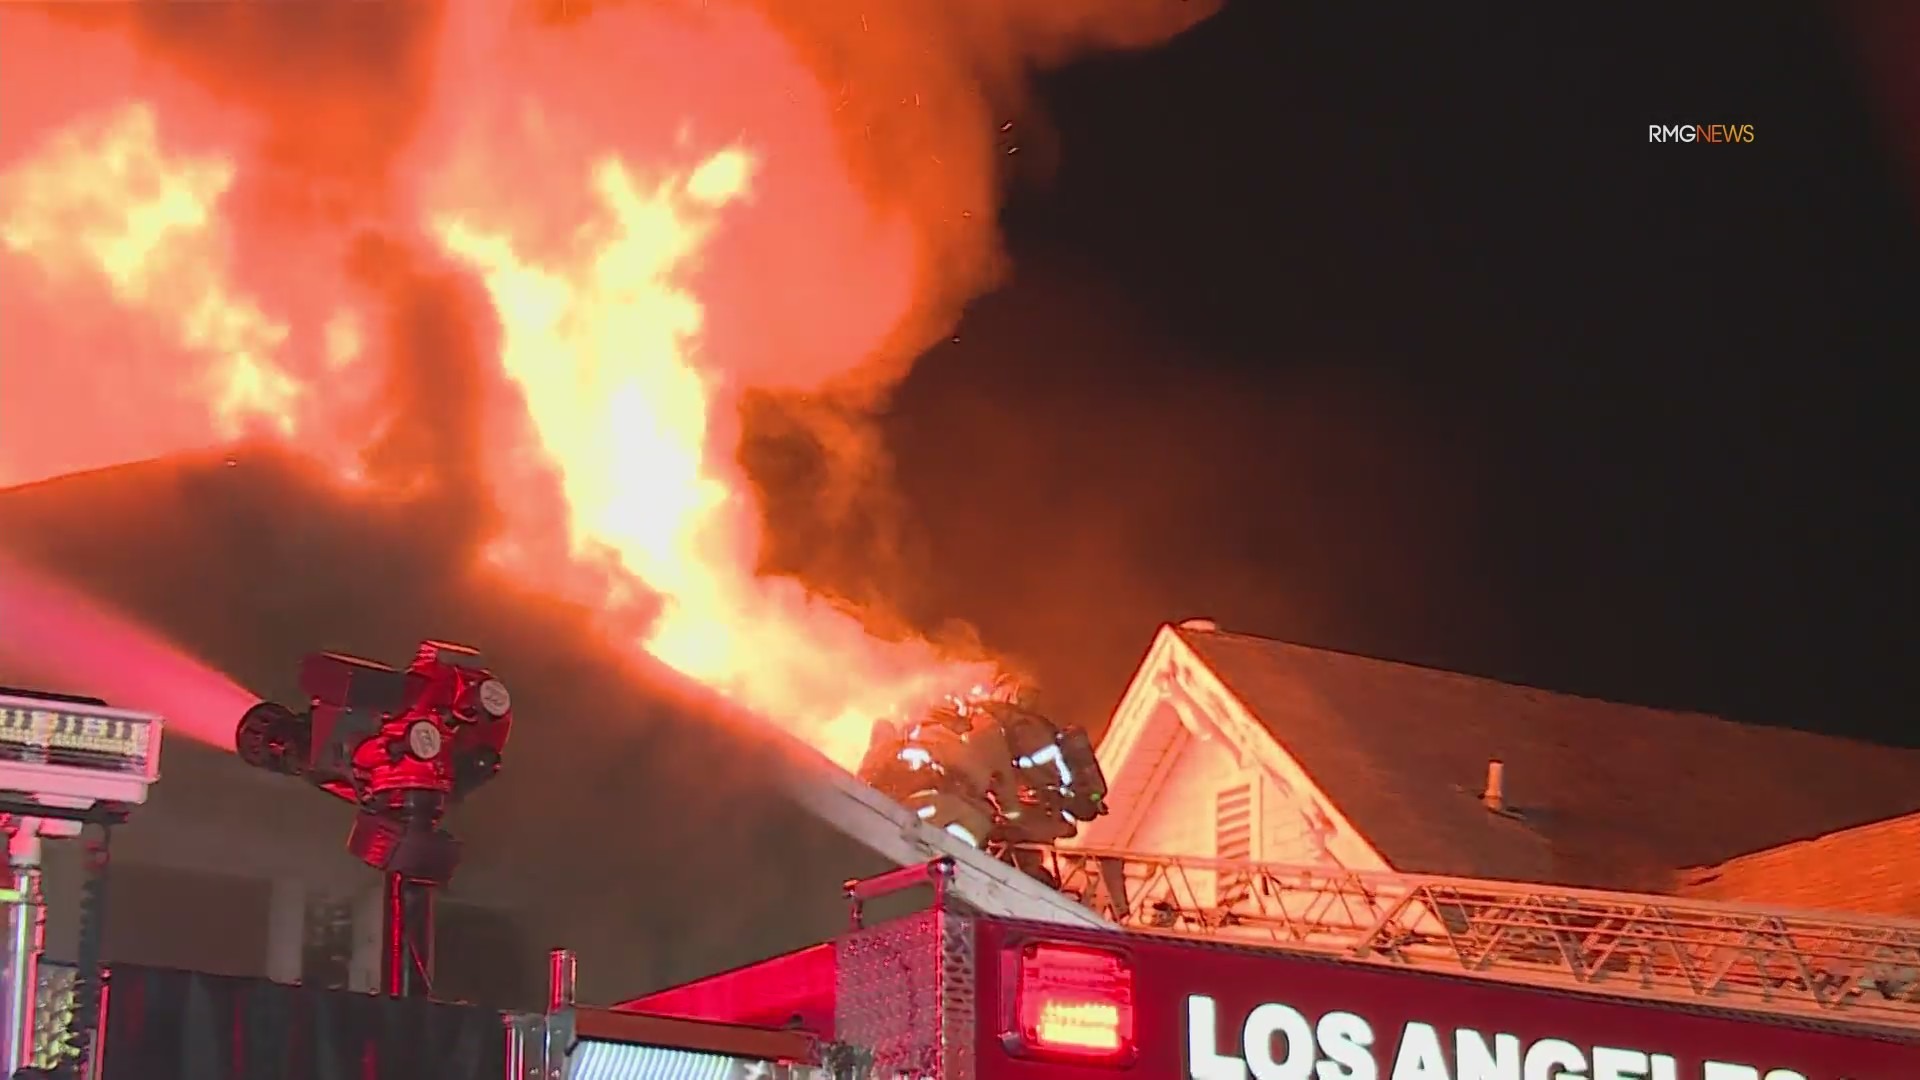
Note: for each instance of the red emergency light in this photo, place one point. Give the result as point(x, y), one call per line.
point(1070, 1003)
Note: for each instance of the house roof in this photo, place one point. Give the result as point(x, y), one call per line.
point(1604, 795)
point(635, 821)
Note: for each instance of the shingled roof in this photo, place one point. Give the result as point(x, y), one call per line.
point(1601, 794)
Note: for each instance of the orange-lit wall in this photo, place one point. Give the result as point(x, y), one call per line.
point(1288, 834)
point(1180, 819)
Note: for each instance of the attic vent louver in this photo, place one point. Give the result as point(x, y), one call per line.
point(1233, 823)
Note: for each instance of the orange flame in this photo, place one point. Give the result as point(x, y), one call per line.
point(102, 195)
point(605, 288)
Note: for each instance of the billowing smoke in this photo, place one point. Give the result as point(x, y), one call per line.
point(406, 242)
point(928, 101)
point(931, 103)
point(554, 266)
point(933, 110)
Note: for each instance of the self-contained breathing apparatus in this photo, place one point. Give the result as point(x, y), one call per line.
point(989, 768)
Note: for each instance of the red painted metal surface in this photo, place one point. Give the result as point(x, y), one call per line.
point(1237, 981)
point(744, 1042)
point(1381, 1013)
point(795, 990)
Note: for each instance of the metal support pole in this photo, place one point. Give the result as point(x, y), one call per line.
point(562, 997)
point(562, 977)
point(26, 939)
point(406, 948)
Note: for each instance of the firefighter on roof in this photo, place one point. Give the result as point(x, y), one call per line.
point(989, 767)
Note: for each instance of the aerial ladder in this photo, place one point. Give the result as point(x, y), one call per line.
point(1814, 966)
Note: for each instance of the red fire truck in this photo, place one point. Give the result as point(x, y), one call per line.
point(1325, 977)
point(1079, 964)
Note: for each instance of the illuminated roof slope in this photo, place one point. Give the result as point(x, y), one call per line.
point(1601, 794)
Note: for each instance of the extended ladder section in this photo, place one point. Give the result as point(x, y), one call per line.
point(1860, 972)
point(893, 833)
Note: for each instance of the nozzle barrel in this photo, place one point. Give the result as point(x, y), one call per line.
point(275, 738)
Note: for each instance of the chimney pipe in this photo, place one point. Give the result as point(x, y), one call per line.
point(1495, 797)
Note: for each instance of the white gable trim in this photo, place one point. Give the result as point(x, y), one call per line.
point(1174, 682)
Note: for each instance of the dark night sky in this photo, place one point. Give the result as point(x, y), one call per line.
point(1397, 336)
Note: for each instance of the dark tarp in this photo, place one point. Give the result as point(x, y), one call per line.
point(177, 1025)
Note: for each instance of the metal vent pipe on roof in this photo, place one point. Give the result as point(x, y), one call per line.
point(1495, 797)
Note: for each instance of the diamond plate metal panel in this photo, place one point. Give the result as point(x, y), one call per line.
point(905, 992)
point(959, 995)
point(888, 998)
